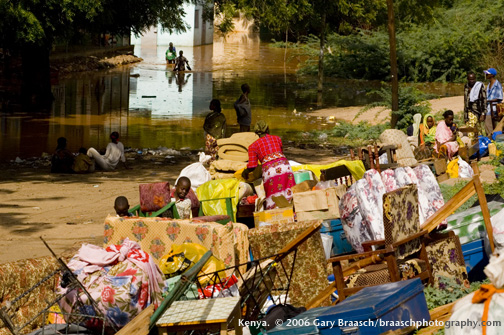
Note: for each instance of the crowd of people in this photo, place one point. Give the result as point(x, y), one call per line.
point(482, 110)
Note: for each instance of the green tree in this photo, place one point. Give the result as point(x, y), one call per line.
point(29, 28)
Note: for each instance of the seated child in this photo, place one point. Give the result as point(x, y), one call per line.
point(83, 163)
point(121, 206)
point(185, 199)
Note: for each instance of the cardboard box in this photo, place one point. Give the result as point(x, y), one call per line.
point(440, 166)
point(442, 177)
point(319, 204)
point(274, 216)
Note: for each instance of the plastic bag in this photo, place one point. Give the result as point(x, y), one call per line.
point(196, 172)
point(219, 188)
point(464, 170)
point(183, 256)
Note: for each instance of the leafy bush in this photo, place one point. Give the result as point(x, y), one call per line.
point(448, 292)
point(363, 130)
point(444, 49)
point(411, 102)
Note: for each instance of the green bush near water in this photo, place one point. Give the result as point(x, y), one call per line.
point(466, 36)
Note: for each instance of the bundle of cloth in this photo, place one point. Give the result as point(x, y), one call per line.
point(235, 148)
point(482, 311)
point(361, 207)
point(225, 168)
point(122, 279)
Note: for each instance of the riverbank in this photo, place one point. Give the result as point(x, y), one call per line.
point(381, 115)
point(66, 209)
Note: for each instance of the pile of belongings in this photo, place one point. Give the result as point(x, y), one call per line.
point(482, 311)
point(235, 148)
point(405, 155)
point(361, 207)
point(122, 279)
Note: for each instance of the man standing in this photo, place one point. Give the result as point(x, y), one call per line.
point(494, 96)
point(475, 101)
point(243, 109)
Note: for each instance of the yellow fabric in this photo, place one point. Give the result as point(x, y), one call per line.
point(484, 294)
point(427, 130)
point(452, 168)
point(356, 168)
point(256, 174)
point(220, 188)
point(156, 235)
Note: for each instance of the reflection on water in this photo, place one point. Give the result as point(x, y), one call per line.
point(151, 106)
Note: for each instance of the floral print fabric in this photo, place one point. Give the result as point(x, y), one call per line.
point(356, 228)
point(16, 278)
point(155, 235)
point(122, 279)
point(278, 179)
point(370, 190)
point(389, 180)
point(432, 199)
point(310, 271)
point(446, 260)
point(400, 216)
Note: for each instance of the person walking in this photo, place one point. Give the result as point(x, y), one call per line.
point(243, 109)
point(171, 54)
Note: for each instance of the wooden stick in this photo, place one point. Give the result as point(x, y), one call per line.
point(352, 154)
point(484, 207)
point(354, 267)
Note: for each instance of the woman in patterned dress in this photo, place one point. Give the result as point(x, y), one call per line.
point(277, 174)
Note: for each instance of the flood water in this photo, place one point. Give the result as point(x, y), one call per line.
point(150, 106)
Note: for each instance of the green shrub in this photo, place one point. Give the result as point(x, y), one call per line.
point(448, 292)
point(411, 101)
point(363, 130)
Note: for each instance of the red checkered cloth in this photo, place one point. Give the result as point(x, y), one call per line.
point(263, 147)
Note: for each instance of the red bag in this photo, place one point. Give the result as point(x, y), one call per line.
point(154, 196)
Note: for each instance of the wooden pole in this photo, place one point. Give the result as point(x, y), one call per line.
point(393, 64)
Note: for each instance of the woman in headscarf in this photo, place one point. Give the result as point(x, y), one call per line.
point(215, 128)
point(428, 131)
point(277, 174)
point(413, 130)
point(114, 153)
point(446, 137)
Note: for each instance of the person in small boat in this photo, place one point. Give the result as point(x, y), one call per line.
point(214, 127)
point(446, 137)
point(181, 62)
point(62, 159)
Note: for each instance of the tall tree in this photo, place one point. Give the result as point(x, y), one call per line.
point(29, 28)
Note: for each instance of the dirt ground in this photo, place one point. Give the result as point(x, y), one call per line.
point(65, 209)
point(379, 115)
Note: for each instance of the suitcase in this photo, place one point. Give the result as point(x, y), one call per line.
point(377, 309)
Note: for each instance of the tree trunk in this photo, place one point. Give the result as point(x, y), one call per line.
point(320, 81)
point(36, 87)
point(393, 64)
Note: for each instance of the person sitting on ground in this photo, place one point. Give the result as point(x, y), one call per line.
point(214, 127)
point(181, 62)
point(428, 131)
point(83, 163)
point(171, 54)
point(185, 199)
point(114, 153)
point(243, 109)
point(121, 206)
point(62, 159)
point(446, 137)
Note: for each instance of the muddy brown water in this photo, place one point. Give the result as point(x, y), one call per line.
point(150, 106)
